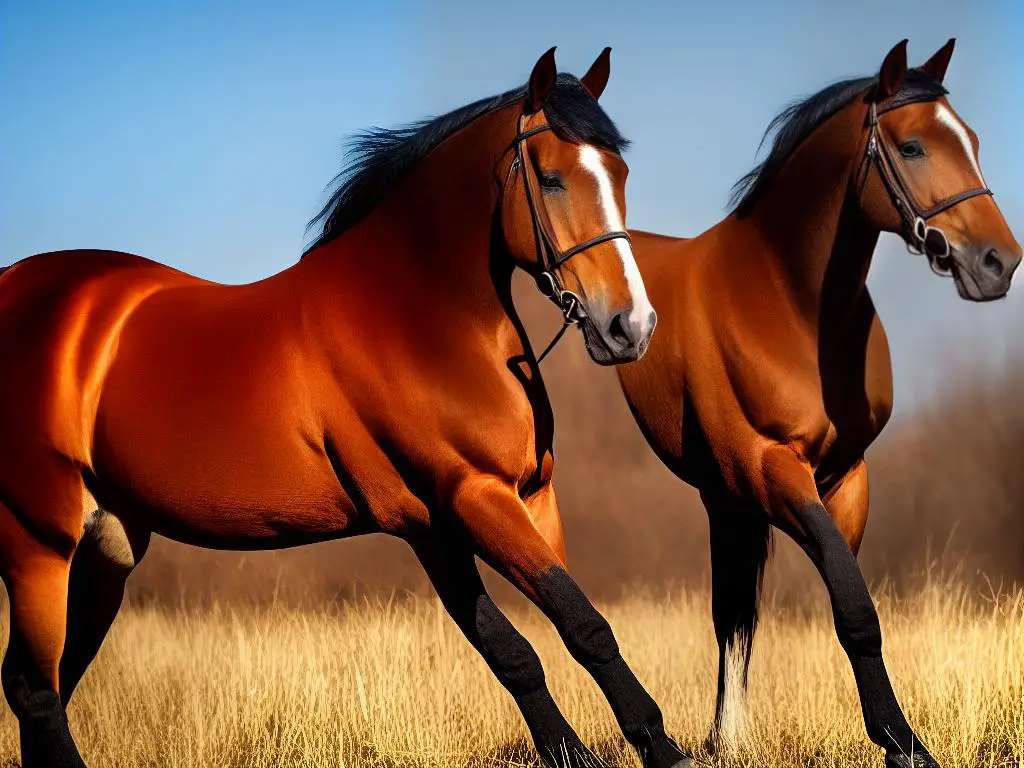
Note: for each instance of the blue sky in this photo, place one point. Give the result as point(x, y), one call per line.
point(203, 134)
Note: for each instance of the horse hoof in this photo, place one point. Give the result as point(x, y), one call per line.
point(668, 755)
point(919, 760)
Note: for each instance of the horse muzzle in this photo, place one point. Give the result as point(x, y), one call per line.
point(613, 338)
point(983, 273)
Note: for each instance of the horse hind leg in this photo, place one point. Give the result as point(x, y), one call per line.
point(739, 550)
point(36, 576)
point(105, 558)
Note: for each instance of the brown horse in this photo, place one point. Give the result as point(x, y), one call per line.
point(770, 375)
point(383, 383)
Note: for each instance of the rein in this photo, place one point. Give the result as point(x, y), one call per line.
point(549, 257)
point(922, 238)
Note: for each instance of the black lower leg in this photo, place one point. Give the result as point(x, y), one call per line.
point(589, 639)
point(860, 635)
point(517, 666)
point(46, 740)
point(508, 654)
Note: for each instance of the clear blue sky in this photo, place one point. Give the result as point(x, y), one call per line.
point(202, 134)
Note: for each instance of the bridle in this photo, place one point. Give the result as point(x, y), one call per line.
point(921, 237)
point(549, 257)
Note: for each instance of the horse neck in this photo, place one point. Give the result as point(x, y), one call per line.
point(809, 219)
point(429, 244)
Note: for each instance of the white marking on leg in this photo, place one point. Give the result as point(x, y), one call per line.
point(731, 725)
point(945, 116)
point(590, 158)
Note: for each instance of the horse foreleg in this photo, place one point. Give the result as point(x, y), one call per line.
point(791, 499)
point(454, 574)
point(503, 531)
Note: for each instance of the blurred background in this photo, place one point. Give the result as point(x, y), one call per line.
point(203, 134)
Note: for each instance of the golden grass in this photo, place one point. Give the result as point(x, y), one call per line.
point(394, 684)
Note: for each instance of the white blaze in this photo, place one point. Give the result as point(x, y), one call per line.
point(590, 158)
point(945, 116)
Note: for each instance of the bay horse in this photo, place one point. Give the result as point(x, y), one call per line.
point(770, 375)
point(383, 383)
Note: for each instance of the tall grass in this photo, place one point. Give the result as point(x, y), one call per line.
point(394, 684)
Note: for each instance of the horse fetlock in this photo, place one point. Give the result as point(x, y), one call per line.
point(884, 720)
point(570, 753)
point(555, 740)
point(917, 760)
point(664, 753)
point(46, 740)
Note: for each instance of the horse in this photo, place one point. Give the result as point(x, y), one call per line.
point(382, 383)
point(770, 374)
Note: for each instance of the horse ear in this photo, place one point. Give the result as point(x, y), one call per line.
point(893, 72)
point(542, 80)
point(936, 66)
point(597, 76)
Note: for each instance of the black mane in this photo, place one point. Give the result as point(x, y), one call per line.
point(377, 159)
point(800, 119)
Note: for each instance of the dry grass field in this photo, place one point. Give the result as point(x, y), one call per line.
point(392, 683)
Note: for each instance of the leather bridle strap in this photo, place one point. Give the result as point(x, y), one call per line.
point(549, 256)
point(921, 238)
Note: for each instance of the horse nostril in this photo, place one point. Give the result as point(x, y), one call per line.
point(617, 330)
point(992, 262)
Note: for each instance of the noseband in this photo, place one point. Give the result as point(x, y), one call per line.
point(549, 257)
point(921, 238)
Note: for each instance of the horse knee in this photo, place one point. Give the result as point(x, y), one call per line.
point(858, 629)
point(586, 633)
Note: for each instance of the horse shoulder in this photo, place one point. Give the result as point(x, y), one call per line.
point(654, 385)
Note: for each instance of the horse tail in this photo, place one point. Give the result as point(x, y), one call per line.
point(739, 554)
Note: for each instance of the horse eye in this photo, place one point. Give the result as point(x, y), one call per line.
point(551, 181)
point(911, 149)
